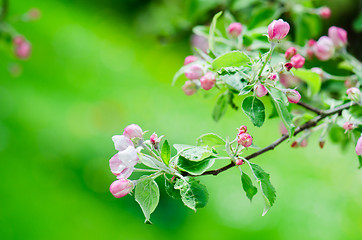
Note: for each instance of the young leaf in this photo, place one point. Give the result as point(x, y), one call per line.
point(212, 31)
point(246, 89)
point(311, 78)
point(147, 195)
point(230, 59)
point(255, 110)
point(248, 186)
point(166, 152)
point(220, 107)
point(234, 80)
point(193, 167)
point(196, 153)
point(193, 194)
point(285, 116)
point(170, 189)
point(181, 147)
point(266, 187)
point(210, 139)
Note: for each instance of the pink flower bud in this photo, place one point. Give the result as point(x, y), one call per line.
point(324, 12)
point(154, 139)
point(359, 146)
point(133, 131)
point(288, 66)
point(208, 81)
point(260, 90)
point(290, 52)
point(319, 71)
point(311, 42)
point(297, 61)
point(121, 187)
point(324, 48)
point(200, 42)
point(304, 143)
point(121, 142)
point(354, 94)
point(278, 29)
point(338, 36)
point(239, 162)
point(288, 80)
point(245, 140)
point(34, 14)
point(189, 88)
point(292, 95)
point(348, 126)
point(190, 59)
point(122, 163)
point(194, 72)
point(235, 29)
point(294, 144)
point(17, 40)
point(272, 76)
point(242, 129)
point(283, 129)
point(23, 50)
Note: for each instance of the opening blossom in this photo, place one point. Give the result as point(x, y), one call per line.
point(123, 162)
point(121, 142)
point(235, 29)
point(278, 29)
point(324, 48)
point(348, 126)
point(338, 36)
point(297, 61)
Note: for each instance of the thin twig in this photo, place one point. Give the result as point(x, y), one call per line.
point(310, 108)
point(307, 125)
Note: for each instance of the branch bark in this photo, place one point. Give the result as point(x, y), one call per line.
point(312, 123)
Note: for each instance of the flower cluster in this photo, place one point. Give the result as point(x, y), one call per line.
point(123, 162)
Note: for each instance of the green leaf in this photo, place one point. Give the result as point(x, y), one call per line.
point(220, 107)
point(233, 79)
point(266, 187)
point(193, 194)
point(181, 147)
point(196, 153)
point(178, 74)
point(230, 59)
point(311, 78)
point(147, 195)
point(195, 167)
point(248, 186)
point(212, 31)
point(246, 89)
point(255, 110)
point(264, 16)
point(170, 189)
point(166, 152)
point(210, 139)
point(146, 160)
point(357, 23)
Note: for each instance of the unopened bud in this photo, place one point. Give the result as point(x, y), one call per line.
point(242, 129)
point(260, 90)
point(272, 76)
point(297, 61)
point(121, 187)
point(292, 95)
point(23, 50)
point(278, 29)
point(235, 29)
point(354, 94)
point(321, 143)
point(288, 66)
point(359, 146)
point(189, 88)
point(304, 143)
point(155, 140)
point(245, 140)
point(338, 36)
point(194, 72)
point(208, 81)
point(133, 131)
point(190, 59)
point(324, 12)
point(324, 48)
point(294, 144)
point(239, 162)
point(290, 53)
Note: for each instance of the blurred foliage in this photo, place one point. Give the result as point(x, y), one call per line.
point(94, 70)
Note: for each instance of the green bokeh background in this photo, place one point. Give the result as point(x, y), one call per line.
point(92, 72)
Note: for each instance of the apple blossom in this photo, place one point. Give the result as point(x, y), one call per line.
point(235, 29)
point(121, 142)
point(194, 72)
point(359, 146)
point(278, 29)
point(208, 80)
point(245, 140)
point(324, 48)
point(292, 95)
point(122, 163)
point(290, 52)
point(190, 59)
point(297, 61)
point(189, 88)
point(260, 90)
point(121, 187)
point(133, 131)
point(338, 36)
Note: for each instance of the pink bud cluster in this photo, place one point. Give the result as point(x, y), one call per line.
point(22, 47)
point(197, 76)
point(122, 163)
point(326, 46)
point(296, 60)
point(244, 139)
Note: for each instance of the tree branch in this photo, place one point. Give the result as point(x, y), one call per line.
point(312, 123)
point(310, 108)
